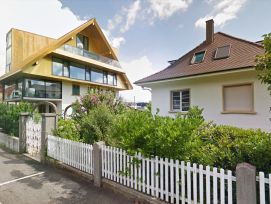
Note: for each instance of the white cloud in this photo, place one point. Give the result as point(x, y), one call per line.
point(135, 70)
point(113, 23)
point(131, 16)
point(180, 26)
point(114, 41)
point(32, 16)
point(222, 12)
point(163, 9)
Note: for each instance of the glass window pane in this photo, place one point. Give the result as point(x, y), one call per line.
point(199, 57)
point(185, 100)
point(75, 90)
point(110, 78)
point(115, 79)
point(53, 89)
point(96, 75)
point(87, 74)
point(8, 56)
point(77, 71)
point(57, 67)
point(10, 88)
point(19, 89)
point(9, 40)
point(105, 78)
point(80, 41)
point(66, 69)
point(176, 100)
point(85, 43)
point(34, 88)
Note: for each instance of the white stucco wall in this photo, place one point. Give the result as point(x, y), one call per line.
point(68, 98)
point(206, 92)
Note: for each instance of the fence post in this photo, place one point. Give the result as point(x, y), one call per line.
point(246, 184)
point(22, 131)
point(48, 123)
point(97, 157)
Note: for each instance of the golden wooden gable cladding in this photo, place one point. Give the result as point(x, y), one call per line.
point(25, 44)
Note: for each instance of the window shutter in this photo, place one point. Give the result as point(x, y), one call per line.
point(238, 98)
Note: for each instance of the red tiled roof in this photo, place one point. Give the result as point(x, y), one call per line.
point(242, 54)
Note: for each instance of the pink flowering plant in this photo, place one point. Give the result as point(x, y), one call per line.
point(96, 98)
point(68, 129)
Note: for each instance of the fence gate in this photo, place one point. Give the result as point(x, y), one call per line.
point(33, 137)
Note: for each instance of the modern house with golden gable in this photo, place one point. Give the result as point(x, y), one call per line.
point(39, 68)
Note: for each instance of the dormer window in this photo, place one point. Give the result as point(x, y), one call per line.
point(198, 57)
point(222, 52)
point(82, 42)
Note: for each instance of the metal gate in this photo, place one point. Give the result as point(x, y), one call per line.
point(33, 137)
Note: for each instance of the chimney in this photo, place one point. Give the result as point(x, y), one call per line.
point(209, 32)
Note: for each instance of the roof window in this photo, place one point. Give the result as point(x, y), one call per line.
point(198, 57)
point(222, 52)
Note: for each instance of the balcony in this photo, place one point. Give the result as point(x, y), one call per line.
point(90, 55)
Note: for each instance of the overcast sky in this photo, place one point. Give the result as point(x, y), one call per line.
point(148, 33)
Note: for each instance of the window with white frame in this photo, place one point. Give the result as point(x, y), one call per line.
point(180, 100)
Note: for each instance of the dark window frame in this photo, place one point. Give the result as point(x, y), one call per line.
point(84, 37)
point(50, 81)
point(90, 68)
point(192, 61)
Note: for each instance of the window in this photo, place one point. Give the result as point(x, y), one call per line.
point(34, 88)
point(82, 42)
point(97, 75)
point(42, 89)
point(110, 78)
point(238, 98)
point(8, 52)
point(180, 100)
point(60, 67)
point(222, 52)
point(53, 89)
point(77, 71)
point(75, 90)
point(57, 67)
point(115, 79)
point(198, 57)
point(88, 72)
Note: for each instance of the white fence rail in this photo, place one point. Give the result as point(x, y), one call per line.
point(169, 180)
point(75, 154)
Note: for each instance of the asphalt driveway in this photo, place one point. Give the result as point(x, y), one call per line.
point(23, 180)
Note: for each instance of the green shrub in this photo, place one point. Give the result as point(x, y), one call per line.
point(98, 125)
point(225, 146)
point(68, 129)
point(157, 135)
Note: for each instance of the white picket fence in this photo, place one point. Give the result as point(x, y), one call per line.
point(76, 154)
point(169, 180)
point(263, 183)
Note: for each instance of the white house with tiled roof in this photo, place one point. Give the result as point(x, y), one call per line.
point(217, 75)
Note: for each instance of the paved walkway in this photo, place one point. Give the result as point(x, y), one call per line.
point(23, 180)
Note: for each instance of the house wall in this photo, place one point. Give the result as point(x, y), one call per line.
point(24, 44)
point(206, 92)
point(67, 97)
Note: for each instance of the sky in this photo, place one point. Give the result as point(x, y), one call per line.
point(148, 33)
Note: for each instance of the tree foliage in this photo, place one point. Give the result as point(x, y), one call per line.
point(264, 62)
